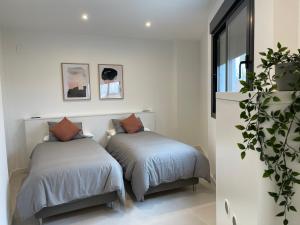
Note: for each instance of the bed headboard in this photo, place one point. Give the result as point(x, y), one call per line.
point(98, 124)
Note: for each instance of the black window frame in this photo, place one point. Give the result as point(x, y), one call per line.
point(218, 25)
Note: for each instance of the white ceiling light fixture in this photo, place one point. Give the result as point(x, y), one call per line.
point(148, 24)
point(84, 16)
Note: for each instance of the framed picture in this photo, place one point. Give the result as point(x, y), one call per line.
point(111, 81)
point(76, 81)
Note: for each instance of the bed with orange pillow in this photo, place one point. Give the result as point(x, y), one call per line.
point(67, 173)
point(152, 162)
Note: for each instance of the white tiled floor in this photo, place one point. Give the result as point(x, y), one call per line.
point(182, 207)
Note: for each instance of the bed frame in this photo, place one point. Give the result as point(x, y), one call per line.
point(108, 198)
point(166, 186)
point(173, 185)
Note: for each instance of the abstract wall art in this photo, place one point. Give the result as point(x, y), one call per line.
point(76, 81)
point(110, 81)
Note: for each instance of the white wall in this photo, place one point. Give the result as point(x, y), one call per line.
point(286, 27)
point(270, 27)
point(191, 128)
point(4, 180)
point(32, 82)
point(245, 188)
point(205, 110)
point(231, 171)
point(210, 144)
point(299, 25)
point(264, 24)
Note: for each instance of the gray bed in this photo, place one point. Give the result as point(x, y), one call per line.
point(66, 176)
point(152, 162)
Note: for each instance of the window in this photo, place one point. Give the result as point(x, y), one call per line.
point(232, 31)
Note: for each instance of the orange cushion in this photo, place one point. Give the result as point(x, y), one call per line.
point(131, 124)
point(65, 130)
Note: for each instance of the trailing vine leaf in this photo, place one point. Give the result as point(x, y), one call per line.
point(240, 127)
point(269, 132)
point(243, 155)
point(297, 139)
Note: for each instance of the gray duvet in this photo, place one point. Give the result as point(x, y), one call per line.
point(149, 159)
point(62, 172)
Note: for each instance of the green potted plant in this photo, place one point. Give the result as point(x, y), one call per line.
point(274, 133)
point(287, 74)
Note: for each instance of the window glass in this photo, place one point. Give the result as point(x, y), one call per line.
point(232, 32)
point(221, 64)
point(237, 48)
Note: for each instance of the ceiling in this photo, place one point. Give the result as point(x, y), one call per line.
point(171, 19)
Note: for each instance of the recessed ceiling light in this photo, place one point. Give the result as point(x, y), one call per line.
point(84, 16)
point(148, 24)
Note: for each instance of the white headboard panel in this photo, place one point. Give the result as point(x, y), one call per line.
point(36, 129)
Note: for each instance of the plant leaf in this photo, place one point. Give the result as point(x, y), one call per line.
point(268, 173)
point(243, 155)
point(280, 214)
point(240, 127)
point(241, 146)
point(297, 139)
point(279, 45)
point(276, 99)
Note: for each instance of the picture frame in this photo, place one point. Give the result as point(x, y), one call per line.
point(76, 81)
point(111, 85)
